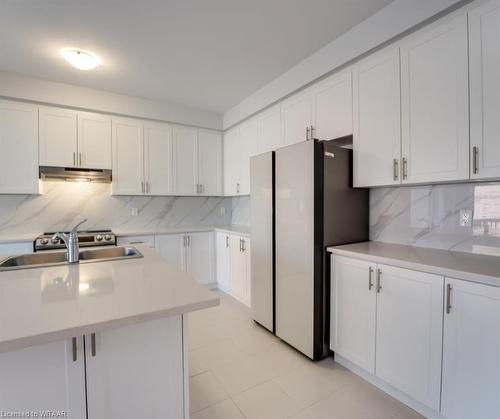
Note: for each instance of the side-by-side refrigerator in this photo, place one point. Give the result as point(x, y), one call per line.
point(302, 201)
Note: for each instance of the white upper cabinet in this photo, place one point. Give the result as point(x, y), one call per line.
point(434, 97)
point(296, 115)
point(377, 120)
point(270, 130)
point(94, 141)
point(19, 148)
point(484, 67)
point(232, 159)
point(354, 311)
point(332, 107)
point(471, 355)
point(184, 160)
point(248, 147)
point(409, 332)
point(58, 137)
point(209, 154)
point(128, 157)
point(157, 158)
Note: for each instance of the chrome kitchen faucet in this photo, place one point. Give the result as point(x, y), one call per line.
point(71, 242)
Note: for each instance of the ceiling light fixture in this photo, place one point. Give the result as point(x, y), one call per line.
point(83, 60)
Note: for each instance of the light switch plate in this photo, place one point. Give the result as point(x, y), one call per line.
point(222, 211)
point(465, 217)
point(134, 211)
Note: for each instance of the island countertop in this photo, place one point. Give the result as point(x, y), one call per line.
point(53, 303)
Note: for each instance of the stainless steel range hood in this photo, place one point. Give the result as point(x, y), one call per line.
point(71, 174)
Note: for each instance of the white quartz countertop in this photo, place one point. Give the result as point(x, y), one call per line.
point(53, 303)
point(237, 229)
point(467, 266)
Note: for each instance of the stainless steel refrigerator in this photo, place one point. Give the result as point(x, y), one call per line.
point(302, 201)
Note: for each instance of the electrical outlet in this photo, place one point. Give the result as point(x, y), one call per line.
point(222, 211)
point(465, 217)
point(134, 211)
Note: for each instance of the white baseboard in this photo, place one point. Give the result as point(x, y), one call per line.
point(387, 388)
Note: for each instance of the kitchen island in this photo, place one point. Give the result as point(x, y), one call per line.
point(101, 340)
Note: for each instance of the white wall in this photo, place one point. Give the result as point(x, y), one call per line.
point(44, 91)
point(388, 23)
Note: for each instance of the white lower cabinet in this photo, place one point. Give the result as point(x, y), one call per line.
point(44, 378)
point(233, 265)
point(124, 373)
point(136, 371)
point(471, 355)
point(191, 252)
point(409, 332)
point(353, 332)
point(388, 321)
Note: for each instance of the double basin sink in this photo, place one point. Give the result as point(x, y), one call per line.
point(39, 260)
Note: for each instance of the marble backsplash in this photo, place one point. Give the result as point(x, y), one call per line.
point(63, 204)
point(240, 210)
point(430, 216)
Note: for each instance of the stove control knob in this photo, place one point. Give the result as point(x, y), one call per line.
point(98, 237)
point(54, 241)
point(44, 241)
point(107, 237)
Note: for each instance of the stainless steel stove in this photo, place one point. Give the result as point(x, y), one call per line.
point(91, 238)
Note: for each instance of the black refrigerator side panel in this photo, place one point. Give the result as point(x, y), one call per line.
point(320, 319)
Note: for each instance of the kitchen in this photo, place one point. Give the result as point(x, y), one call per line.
point(307, 231)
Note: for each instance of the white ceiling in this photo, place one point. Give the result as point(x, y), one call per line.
point(206, 54)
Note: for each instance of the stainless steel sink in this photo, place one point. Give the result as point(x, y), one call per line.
point(38, 260)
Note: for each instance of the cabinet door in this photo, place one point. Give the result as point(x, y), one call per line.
point(270, 130)
point(332, 107)
point(210, 163)
point(57, 136)
point(223, 261)
point(44, 378)
point(19, 148)
point(200, 257)
point(128, 157)
point(377, 120)
point(158, 158)
point(184, 160)
point(471, 354)
point(173, 249)
point(409, 332)
point(239, 269)
point(484, 66)
point(137, 371)
point(94, 141)
point(296, 117)
point(435, 104)
point(354, 301)
point(248, 147)
point(232, 160)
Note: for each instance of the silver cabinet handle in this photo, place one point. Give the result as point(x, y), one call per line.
point(243, 248)
point(405, 168)
point(184, 241)
point(312, 132)
point(227, 241)
point(142, 186)
point(379, 274)
point(237, 188)
point(74, 349)
point(148, 188)
point(395, 167)
point(74, 158)
point(370, 282)
point(475, 155)
point(201, 187)
point(448, 298)
point(80, 158)
point(307, 133)
point(197, 188)
point(92, 344)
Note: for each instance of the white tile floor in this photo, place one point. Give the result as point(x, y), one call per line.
point(239, 370)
